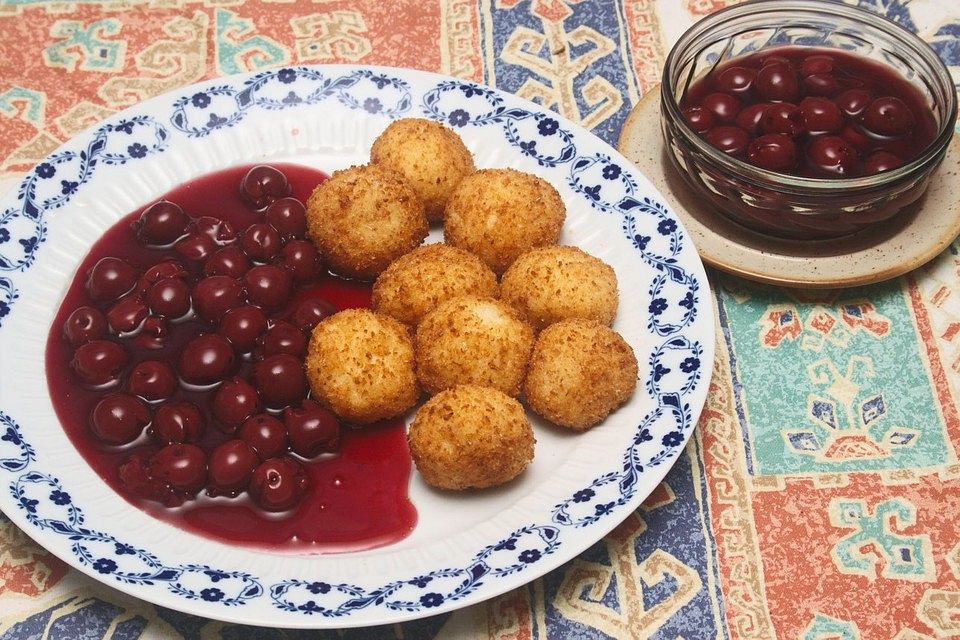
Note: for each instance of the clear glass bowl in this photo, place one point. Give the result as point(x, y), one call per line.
point(786, 205)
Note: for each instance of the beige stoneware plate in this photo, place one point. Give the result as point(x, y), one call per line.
point(914, 238)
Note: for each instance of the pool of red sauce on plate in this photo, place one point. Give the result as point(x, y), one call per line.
point(357, 497)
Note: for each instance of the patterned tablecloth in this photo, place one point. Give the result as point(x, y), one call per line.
point(820, 495)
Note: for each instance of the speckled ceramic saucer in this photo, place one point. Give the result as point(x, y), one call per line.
point(916, 236)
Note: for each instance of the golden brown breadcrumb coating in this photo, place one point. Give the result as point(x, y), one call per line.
point(471, 340)
point(360, 364)
point(554, 283)
point(580, 371)
point(500, 213)
point(415, 283)
point(363, 218)
point(470, 437)
point(430, 156)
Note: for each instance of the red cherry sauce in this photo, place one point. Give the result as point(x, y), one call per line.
point(357, 495)
point(811, 111)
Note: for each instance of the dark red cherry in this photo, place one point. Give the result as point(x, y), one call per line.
point(773, 151)
point(881, 161)
point(119, 418)
point(234, 402)
point(84, 324)
point(731, 140)
point(195, 246)
point(242, 326)
point(699, 119)
point(179, 421)
point(126, 315)
point(158, 272)
point(169, 298)
point(310, 312)
point(262, 185)
point(230, 261)
point(153, 333)
point(833, 156)
point(724, 107)
point(777, 83)
point(300, 258)
point(852, 102)
point(265, 434)
point(219, 231)
point(278, 484)
point(99, 362)
point(182, 466)
point(312, 430)
point(110, 278)
point(230, 467)
point(856, 137)
point(283, 337)
point(268, 285)
point(161, 223)
point(260, 241)
point(152, 380)
point(888, 116)
point(816, 64)
point(280, 380)
point(735, 80)
point(288, 216)
point(821, 85)
point(213, 296)
point(205, 360)
point(819, 115)
point(749, 117)
point(781, 118)
point(135, 478)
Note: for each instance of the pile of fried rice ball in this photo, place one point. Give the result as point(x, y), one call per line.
point(495, 313)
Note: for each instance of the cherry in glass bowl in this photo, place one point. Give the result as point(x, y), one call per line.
point(764, 116)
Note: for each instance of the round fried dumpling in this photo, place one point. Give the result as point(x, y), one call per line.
point(430, 156)
point(500, 213)
point(415, 283)
point(363, 218)
point(360, 364)
point(579, 372)
point(470, 437)
point(472, 340)
point(555, 283)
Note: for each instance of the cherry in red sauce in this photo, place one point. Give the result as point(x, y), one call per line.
point(263, 184)
point(169, 297)
point(110, 278)
point(235, 401)
point(84, 324)
point(773, 151)
point(260, 242)
point(268, 286)
point(161, 223)
point(119, 418)
point(231, 466)
point(351, 498)
point(206, 360)
point(312, 429)
point(152, 380)
point(280, 380)
point(213, 296)
point(277, 484)
point(811, 94)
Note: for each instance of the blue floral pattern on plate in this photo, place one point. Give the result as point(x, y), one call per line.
point(674, 371)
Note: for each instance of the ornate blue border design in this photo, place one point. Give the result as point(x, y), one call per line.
point(675, 365)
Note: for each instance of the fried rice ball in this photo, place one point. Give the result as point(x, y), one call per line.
point(417, 282)
point(470, 437)
point(554, 283)
point(580, 371)
point(430, 156)
point(360, 364)
point(363, 218)
point(472, 340)
point(500, 213)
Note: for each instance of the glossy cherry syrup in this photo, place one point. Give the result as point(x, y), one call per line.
point(356, 495)
point(811, 111)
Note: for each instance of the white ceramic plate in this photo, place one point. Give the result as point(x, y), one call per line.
point(466, 547)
